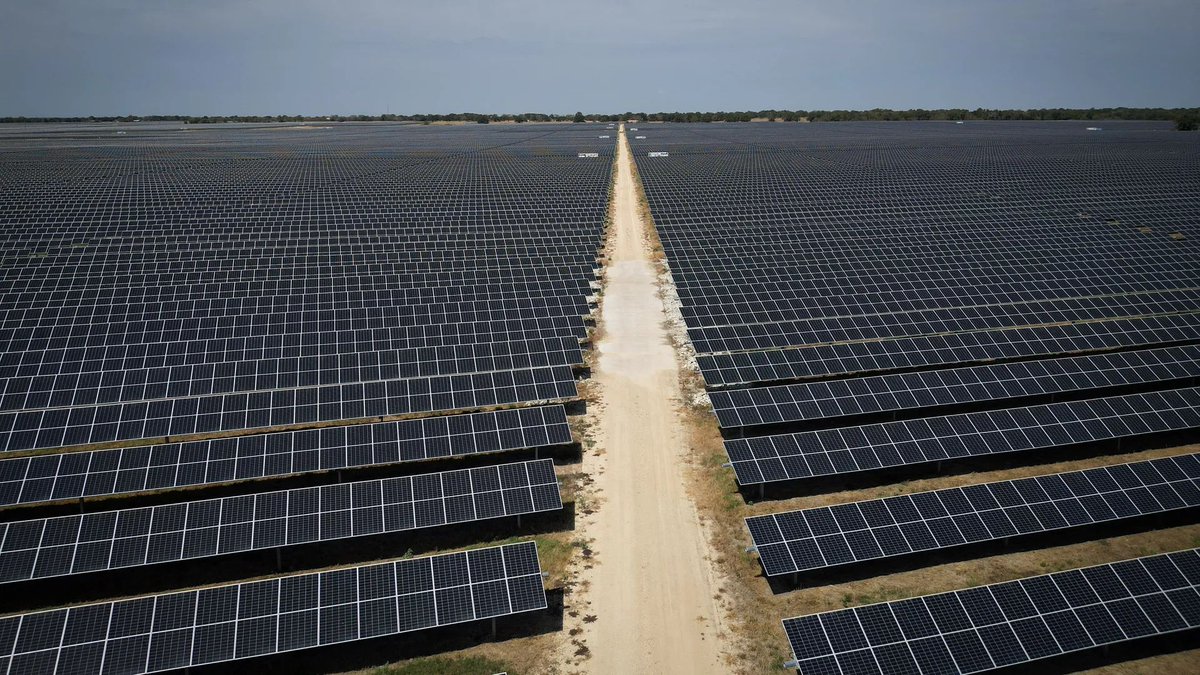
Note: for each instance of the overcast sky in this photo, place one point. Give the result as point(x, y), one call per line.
point(106, 57)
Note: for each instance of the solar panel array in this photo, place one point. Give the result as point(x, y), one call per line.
point(48, 547)
point(869, 296)
point(802, 253)
point(228, 306)
point(91, 382)
point(201, 297)
point(871, 447)
point(183, 417)
point(74, 475)
point(154, 633)
point(886, 393)
point(748, 368)
point(999, 625)
point(829, 536)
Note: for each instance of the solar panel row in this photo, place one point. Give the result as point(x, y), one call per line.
point(999, 625)
point(942, 350)
point(342, 348)
point(913, 391)
point(163, 330)
point(822, 537)
point(889, 444)
point(146, 335)
point(925, 259)
point(728, 324)
point(780, 334)
point(49, 547)
point(894, 275)
point(300, 308)
point(334, 341)
point(48, 388)
point(298, 277)
point(205, 298)
point(134, 263)
point(90, 425)
point(236, 621)
point(74, 475)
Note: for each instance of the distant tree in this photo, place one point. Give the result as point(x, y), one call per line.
point(1186, 123)
point(579, 118)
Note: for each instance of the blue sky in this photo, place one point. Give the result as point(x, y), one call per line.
point(106, 57)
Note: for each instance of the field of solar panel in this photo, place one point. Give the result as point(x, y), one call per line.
point(261, 377)
point(941, 355)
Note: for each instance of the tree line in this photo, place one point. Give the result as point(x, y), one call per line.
point(1186, 116)
point(946, 114)
point(217, 119)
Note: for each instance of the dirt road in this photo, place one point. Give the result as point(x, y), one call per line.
point(651, 590)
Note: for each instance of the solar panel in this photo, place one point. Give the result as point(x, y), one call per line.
point(830, 536)
point(811, 278)
point(404, 289)
point(941, 350)
point(889, 444)
point(159, 289)
point(297, 338)
point(81, 383)
point(207, 315)
point(912, 391)
point(169, 283)
point(1005, 624)
point(89, 425)
point(239, 621)
point(810, 252)
point(74, 475)
point(105, 540)
point(802, 287)
point(744, 334)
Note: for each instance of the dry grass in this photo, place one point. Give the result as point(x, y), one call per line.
point(441, 665)
point(521, 656)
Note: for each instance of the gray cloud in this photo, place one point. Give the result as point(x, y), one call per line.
point(80, 57)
